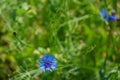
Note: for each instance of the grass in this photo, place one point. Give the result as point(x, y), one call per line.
point(86, 47)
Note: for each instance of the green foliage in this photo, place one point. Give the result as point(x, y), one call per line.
point(85, 46)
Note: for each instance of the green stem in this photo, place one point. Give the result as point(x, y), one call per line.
point(103, 67)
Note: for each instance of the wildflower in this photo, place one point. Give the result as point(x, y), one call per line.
point(48, 63)
point(106, 16)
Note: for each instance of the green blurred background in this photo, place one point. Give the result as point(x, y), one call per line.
point(71, 30)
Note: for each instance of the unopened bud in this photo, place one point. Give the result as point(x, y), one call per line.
point(14, 33)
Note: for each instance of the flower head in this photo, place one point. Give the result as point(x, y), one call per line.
point(48, 63)
point(106, 16)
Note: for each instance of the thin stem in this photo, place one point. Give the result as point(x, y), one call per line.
point(103, 67)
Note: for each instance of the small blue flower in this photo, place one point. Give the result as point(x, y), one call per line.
point(106, 16)
point(48, 63)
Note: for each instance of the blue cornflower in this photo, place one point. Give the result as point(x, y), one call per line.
point(48, 63)
point(106, 16)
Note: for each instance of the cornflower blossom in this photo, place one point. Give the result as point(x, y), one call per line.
point(106, 16)
point(48, 63)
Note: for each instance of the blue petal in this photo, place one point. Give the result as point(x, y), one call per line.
point(111, 18)
point(51, 58)
point(53, 65)
point(47, 57)
point(103, 13)
point(48, 69)
point(42, 67)
point(44, 58)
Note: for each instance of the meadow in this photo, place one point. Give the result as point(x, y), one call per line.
point(83, 36)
